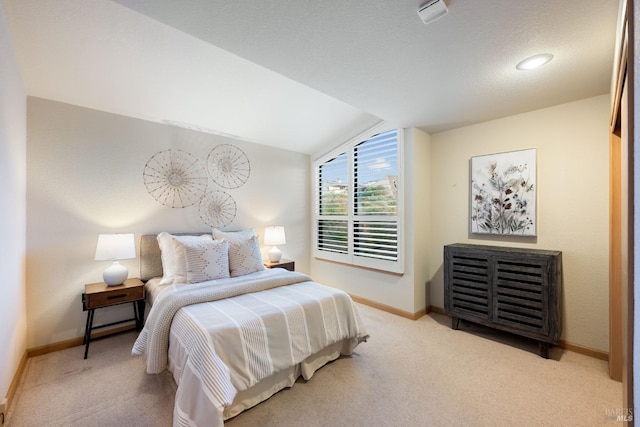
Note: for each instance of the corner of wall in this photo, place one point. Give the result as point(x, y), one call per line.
point(13, 147)
point(418, 184)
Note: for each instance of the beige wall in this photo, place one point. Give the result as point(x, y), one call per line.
point(573, 212)
point(406, 292)
point(573, 196)
point(418, 231)
point(85, 177)
point(13, 325)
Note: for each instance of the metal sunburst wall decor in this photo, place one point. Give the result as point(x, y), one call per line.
point(175, 178)
point(228, 166)
point(217, 209)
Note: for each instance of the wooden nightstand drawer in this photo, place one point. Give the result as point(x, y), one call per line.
point(100, 295)
point(287, 264)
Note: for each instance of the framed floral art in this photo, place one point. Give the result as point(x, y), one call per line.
point(503, 193)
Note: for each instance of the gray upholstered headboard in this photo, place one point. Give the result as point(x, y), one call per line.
point(150, 261)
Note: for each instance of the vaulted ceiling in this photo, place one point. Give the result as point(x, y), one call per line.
point(307, 75)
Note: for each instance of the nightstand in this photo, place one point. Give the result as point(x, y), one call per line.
point(287, 264)
point(99, 295)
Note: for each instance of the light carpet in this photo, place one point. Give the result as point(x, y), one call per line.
point(410, 373)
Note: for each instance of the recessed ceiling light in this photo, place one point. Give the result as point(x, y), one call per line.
point(534, 61)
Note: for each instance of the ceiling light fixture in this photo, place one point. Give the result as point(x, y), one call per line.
point(432, 10)
point(534, 61)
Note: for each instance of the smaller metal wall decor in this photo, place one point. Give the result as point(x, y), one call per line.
point(503, 193)
point(175, 178)
point(217, 209)
point(228, 166)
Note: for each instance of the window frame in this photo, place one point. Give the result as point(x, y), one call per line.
point(352, 218)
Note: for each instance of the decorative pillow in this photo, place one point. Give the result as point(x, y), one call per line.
point(172, 261)
point(206, 260)
point(245, 256)
point(242, 234)
point(178, 249)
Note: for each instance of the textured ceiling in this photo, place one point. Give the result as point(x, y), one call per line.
point(307, 75)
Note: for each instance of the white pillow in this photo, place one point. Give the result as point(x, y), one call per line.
point(173, 263)
point(178, 249)
point(242, 234)
point(167, 256)
point(245, 256)
point(206, 260)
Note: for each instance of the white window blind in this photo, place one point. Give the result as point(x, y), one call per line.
point(333, 202)
point(358, 202)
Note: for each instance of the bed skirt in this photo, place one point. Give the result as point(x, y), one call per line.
point(259, 392)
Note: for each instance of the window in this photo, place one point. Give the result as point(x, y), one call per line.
point(358, 202)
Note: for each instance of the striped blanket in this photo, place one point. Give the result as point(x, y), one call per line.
point(230, 334)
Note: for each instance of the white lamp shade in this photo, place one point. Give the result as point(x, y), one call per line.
point(274, 236)
point(112, 247)
point(115, 246)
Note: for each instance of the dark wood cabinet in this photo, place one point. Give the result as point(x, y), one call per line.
point(513, 289)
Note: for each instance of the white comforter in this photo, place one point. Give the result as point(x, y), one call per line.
point(233, 333)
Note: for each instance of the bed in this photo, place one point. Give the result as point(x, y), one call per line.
point(233, 340)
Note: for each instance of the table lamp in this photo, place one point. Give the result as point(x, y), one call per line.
point(113, 247)
point(274, 236)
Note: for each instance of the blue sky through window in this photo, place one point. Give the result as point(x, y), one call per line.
point(372, 162)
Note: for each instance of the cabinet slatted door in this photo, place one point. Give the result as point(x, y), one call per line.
point(519, 295)
point(469, 285)
point(512, 289)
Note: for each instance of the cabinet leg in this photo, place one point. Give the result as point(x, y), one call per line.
point(544, 349)
point(455, 322)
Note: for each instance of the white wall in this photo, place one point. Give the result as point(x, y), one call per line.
point(572, 144)
point(85, 177)
point(407, 292)
point(13, 325)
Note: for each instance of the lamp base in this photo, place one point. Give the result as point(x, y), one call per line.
point(115, 274)
point(275, 254)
